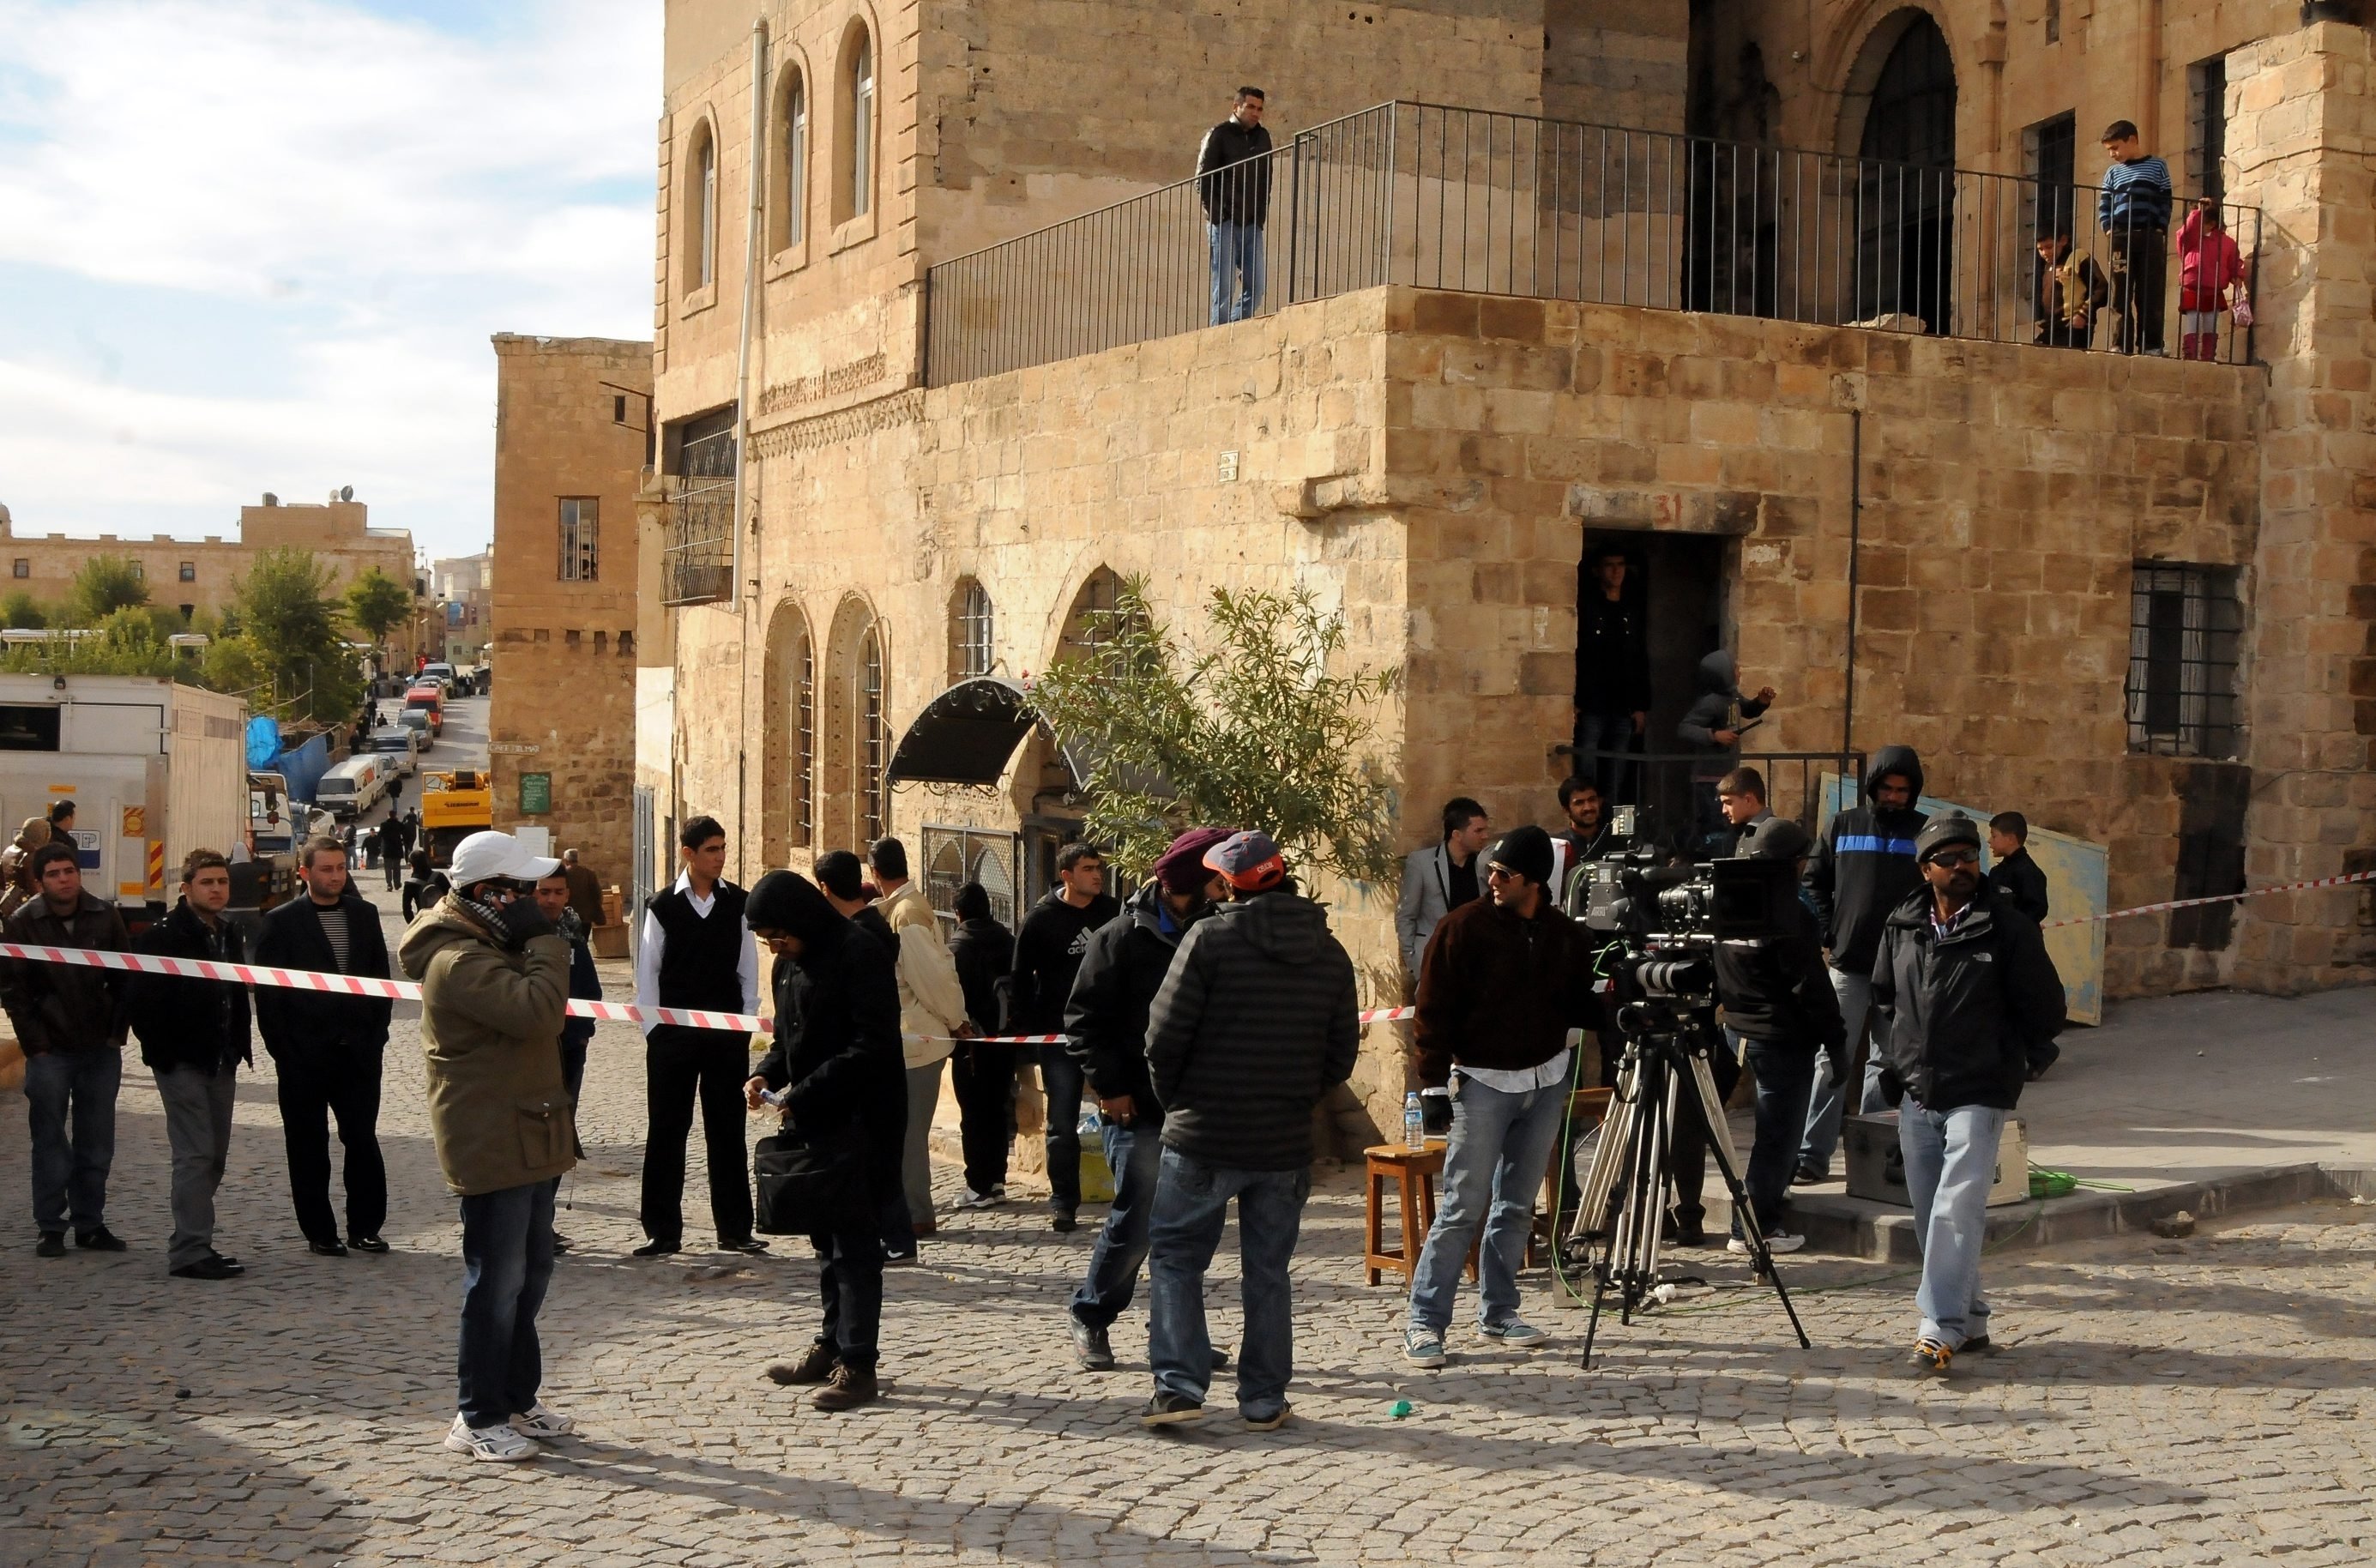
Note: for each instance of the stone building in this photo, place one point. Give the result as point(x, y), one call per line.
point(571, 429)
point(192, 574)
point(464, 587)
point(1797, 370)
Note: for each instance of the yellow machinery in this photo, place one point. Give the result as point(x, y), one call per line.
point(455, 804)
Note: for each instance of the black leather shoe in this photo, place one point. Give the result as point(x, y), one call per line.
point(52, 1244)
point(1062, 1221)
point(750, 1245)
point(367, 1243)
point(208, 1269)
point(99, 1240)
point(654, 1249)
point(326, 1249)
point(1093, 1346)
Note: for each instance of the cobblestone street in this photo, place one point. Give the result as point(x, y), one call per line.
point(2203, 1401)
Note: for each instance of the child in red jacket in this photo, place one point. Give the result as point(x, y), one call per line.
point(2209, 268)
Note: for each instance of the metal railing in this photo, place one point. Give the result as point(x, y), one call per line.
point(696, 563)
point(1677, 790)
point(1485, 202)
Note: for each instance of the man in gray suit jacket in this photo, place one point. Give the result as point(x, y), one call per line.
point(1440, 877)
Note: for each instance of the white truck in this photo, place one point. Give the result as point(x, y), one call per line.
point(155, 769)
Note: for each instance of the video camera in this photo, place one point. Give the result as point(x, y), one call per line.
point(1639, 893)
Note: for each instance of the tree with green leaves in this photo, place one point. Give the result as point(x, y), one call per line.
point(104, 585)
point(1257, 729)
point(377, 604)
point(21, 611)
point(289, 611)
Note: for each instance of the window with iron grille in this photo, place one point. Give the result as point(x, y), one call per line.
point(2207, 125)
point(2185, 627)
point(973, 632)
point(580, 531)
point(870, 739)
point(804, 741)
point(955, 856)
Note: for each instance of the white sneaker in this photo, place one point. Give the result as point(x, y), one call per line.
point(1779, 1241)
point(543, 1421)
point(971, 1199)
point(498, 1443)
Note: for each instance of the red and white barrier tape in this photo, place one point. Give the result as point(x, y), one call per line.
point(747, 1023)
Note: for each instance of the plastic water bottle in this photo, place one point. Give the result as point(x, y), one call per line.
point(1414, 1124)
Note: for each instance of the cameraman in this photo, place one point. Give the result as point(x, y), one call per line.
point(1504, 982)
point(1778, 1006)
point(1973, 1004)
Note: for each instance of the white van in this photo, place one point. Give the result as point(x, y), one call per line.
point(354, 785)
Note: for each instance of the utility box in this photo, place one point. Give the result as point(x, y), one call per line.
point(1877, 1168)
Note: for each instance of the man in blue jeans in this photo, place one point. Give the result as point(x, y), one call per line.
point(1234, 187)
point(1105, 1028)
point(1258, 1018)
point(1504, 986)
point(1973, 1004)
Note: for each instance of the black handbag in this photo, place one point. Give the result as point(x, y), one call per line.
point(810, 1186)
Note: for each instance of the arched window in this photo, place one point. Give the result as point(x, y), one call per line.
point(1905, 261)
point(701, 210)
point(855, 123)
point(873, 744)
point(804, 731)
point(970, 632)
point(1090, 626)
point(788, 223)
point(787, 818)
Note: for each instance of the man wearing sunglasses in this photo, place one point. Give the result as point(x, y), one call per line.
point(1973, 1004)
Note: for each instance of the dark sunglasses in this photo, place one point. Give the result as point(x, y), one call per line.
point(1952, 857)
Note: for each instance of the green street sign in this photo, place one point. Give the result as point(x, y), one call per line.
point(536, 793)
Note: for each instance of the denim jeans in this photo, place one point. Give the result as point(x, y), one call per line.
point(1829, 1100)
point(506, 1263)
point(1191, 1200)
point(1786, 1073)
point(1136, 1155)
point(1493, 1168)
point(198, 1129)
point(1606, 732)
point(1060, 1075)
point(72, 1089)
point(1951, 1164)
point(1237, 255)
point(849, 1276)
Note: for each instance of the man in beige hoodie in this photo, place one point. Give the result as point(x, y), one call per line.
point(932, 1019)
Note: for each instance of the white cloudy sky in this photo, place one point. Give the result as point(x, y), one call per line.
point(260, 244)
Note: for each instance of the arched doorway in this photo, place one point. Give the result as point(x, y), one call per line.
point(1906, 245)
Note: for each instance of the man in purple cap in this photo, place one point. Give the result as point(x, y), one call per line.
point(1105, 1031)
point(1258, 1019)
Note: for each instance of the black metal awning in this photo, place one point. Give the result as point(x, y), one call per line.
point(967, 735)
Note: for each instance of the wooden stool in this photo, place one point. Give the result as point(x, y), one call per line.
point(1414, 1172)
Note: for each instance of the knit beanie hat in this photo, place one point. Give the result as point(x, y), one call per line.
point(1182, 867)
point(1941, 831)
point(1525, 850)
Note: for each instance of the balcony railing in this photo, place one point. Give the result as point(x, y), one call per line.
point(1507, 204)
point(697, 563)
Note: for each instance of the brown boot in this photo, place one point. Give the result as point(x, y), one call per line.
point(850, 1387)
point(814, 1367)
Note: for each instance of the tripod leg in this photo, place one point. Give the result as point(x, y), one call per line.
point(1728, 1166)
point(1599, 1291)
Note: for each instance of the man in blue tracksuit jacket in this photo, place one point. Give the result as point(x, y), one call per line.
point(1861, 870)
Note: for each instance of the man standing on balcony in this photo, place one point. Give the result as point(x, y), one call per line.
point(2133, 212)
point(1233, 187)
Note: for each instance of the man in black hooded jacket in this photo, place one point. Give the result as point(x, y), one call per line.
point(838, 1059)
point(1863, 869)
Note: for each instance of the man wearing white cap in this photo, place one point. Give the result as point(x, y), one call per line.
point(494, 981)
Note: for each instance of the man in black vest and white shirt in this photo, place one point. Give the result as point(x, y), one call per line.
point(696, 952)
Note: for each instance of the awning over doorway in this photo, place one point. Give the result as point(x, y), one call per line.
point(967, 735)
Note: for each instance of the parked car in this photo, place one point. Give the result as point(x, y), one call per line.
point(442, 673)
point(416, 721)
point(398, 743)
point(354, 785)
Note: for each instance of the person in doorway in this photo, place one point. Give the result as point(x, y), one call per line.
point(2210, 281)
point(981, 1072)
point(1862, 869)
point(69, 1019)
point(2066, 291)
point(328, 1049)
point(585, 890)
point(1740, 797)
point(1258, 1019)
point(1234, 187)
point(1048, 952)
point(2133, 212)
point(495, 978)
point(194, 1035)
point(1105, 1026)
point(1712, 728)
point(836, 1063)
point(1506, 987)
point(2013, 873)
point(932, 1020)
point(696, 953)
point(1613, 676)
point(1440, 878)
point(1973, 1005)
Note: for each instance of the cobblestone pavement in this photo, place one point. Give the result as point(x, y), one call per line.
point(2194, 1402)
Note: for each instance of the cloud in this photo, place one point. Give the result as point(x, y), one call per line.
point(356, 201)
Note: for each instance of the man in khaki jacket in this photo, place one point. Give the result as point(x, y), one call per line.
point(494, 981)
point(932, 1019)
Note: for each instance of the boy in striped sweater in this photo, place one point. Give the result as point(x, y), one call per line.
point(2133, 212)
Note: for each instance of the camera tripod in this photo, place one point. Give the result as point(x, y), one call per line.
point(1619, 1222)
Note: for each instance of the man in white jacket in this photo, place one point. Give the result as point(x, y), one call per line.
point(931, 1016)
